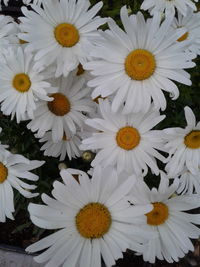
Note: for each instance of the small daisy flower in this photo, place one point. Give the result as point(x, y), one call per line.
point(125, 141)
point(170, 219)
point(94, 218)
point(169, 6)
point(191, 23)
point(64, 114)
point(7, 31)
point(136, 65)
point(21, 86)
point(189, 182)
point(183, 146)
point(69, 145)
point(13, 168)
point(64, 37)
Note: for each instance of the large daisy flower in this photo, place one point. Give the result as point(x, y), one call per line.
point(64, 114)
point(21, 86)
point(94, 218)
point(169, 6)
point(125, 141)
point(183, 146)
point(170, 219)
point(13, 169)
point(64, 37)
point(69, 145)
point(191, 23)
point(135, 65)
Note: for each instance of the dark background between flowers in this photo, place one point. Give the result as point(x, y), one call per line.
point(22, 232)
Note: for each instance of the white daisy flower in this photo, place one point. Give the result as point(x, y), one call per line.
point(170, 219)
point(64, 37)
point(169, 6)
point(21, 86)
point(94, 218)
point(189, 183)
point(13, 167)
point(183, 146)
point(136, 65)
point(191, 24)
point(125, 141)
point(7, 31)
point(64, 113)
point(69, 145)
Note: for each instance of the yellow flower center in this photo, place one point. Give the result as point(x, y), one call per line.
point(22, 41)
point(60, 106)
point(158, 215)
point(183, 37)
point(128, 138)
point(80, 70)
point(93, 220)
point(21, 82)
point(140, 64)
point(3, 172)
point(66, 34)
point(192, 140)
point(65, 137)
point(96, 99)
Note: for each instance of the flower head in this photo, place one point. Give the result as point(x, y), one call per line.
point(69, 145)
point(63, 115)
point(125, 141)
point(169, 7)
point(64, 37)
point(183, 146)
point(191, 24)
point(189, 183)
point(21, 86)
point(13, 169)
point(94, 218)
point(137, 65)
point(170, 219)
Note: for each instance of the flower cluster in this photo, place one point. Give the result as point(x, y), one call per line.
point(80, 88)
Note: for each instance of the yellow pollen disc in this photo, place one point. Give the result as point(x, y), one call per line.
point(93, 220)
point(140, 64)
point(158, 215)
point(96, 99)
point(128, 138)
point(183, 37)
point(22, 41)
point(65, 138)
point(21, 82)
point(80, 70)
point(66, 34)
point(192, 140)
point(60, 106)
point(3, 172)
